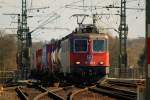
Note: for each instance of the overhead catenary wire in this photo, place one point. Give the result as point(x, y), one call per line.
point(44, 23)
point(80, 3)
point(47, 20)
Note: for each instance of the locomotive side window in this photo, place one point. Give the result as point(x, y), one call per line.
point(99, 45)
point(80, 45)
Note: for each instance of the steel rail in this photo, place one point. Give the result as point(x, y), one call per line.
point(46, 93)
point(51, 94)
point(20, 93)
point(76, 93)
point(71, 97)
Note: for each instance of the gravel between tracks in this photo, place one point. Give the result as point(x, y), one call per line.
point(31, 92)
point(9, 95)
point(88, 95)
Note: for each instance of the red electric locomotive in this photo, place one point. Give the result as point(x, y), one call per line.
point(89, 57)
point(82, 55)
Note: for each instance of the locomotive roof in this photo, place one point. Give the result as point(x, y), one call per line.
point(92, 35)
point(86, 35)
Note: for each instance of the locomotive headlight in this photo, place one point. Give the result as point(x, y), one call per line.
point(77, 62)
point(101, 62)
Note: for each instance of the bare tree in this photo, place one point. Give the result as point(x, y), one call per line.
point(7, 51)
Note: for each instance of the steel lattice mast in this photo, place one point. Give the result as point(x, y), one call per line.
point(26, 40)
point(123, 28)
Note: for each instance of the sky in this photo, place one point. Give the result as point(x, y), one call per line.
point(56, 16)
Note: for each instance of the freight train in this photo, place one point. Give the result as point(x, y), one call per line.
point(81, 56)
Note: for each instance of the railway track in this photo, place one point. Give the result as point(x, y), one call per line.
point(28, 92)
point(65, 93)
point(21, 94)
point(126, 84)
point(117, 93)
point(31, 91)
point(72, 96)
point(49, 94)
point(46, 95)
point(86, 94)
point(76, 93)
point(36, 92)
point(105, 90)
point(61, 93)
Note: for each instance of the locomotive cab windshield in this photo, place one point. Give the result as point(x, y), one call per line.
point(99, 45)
point(80, 45)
